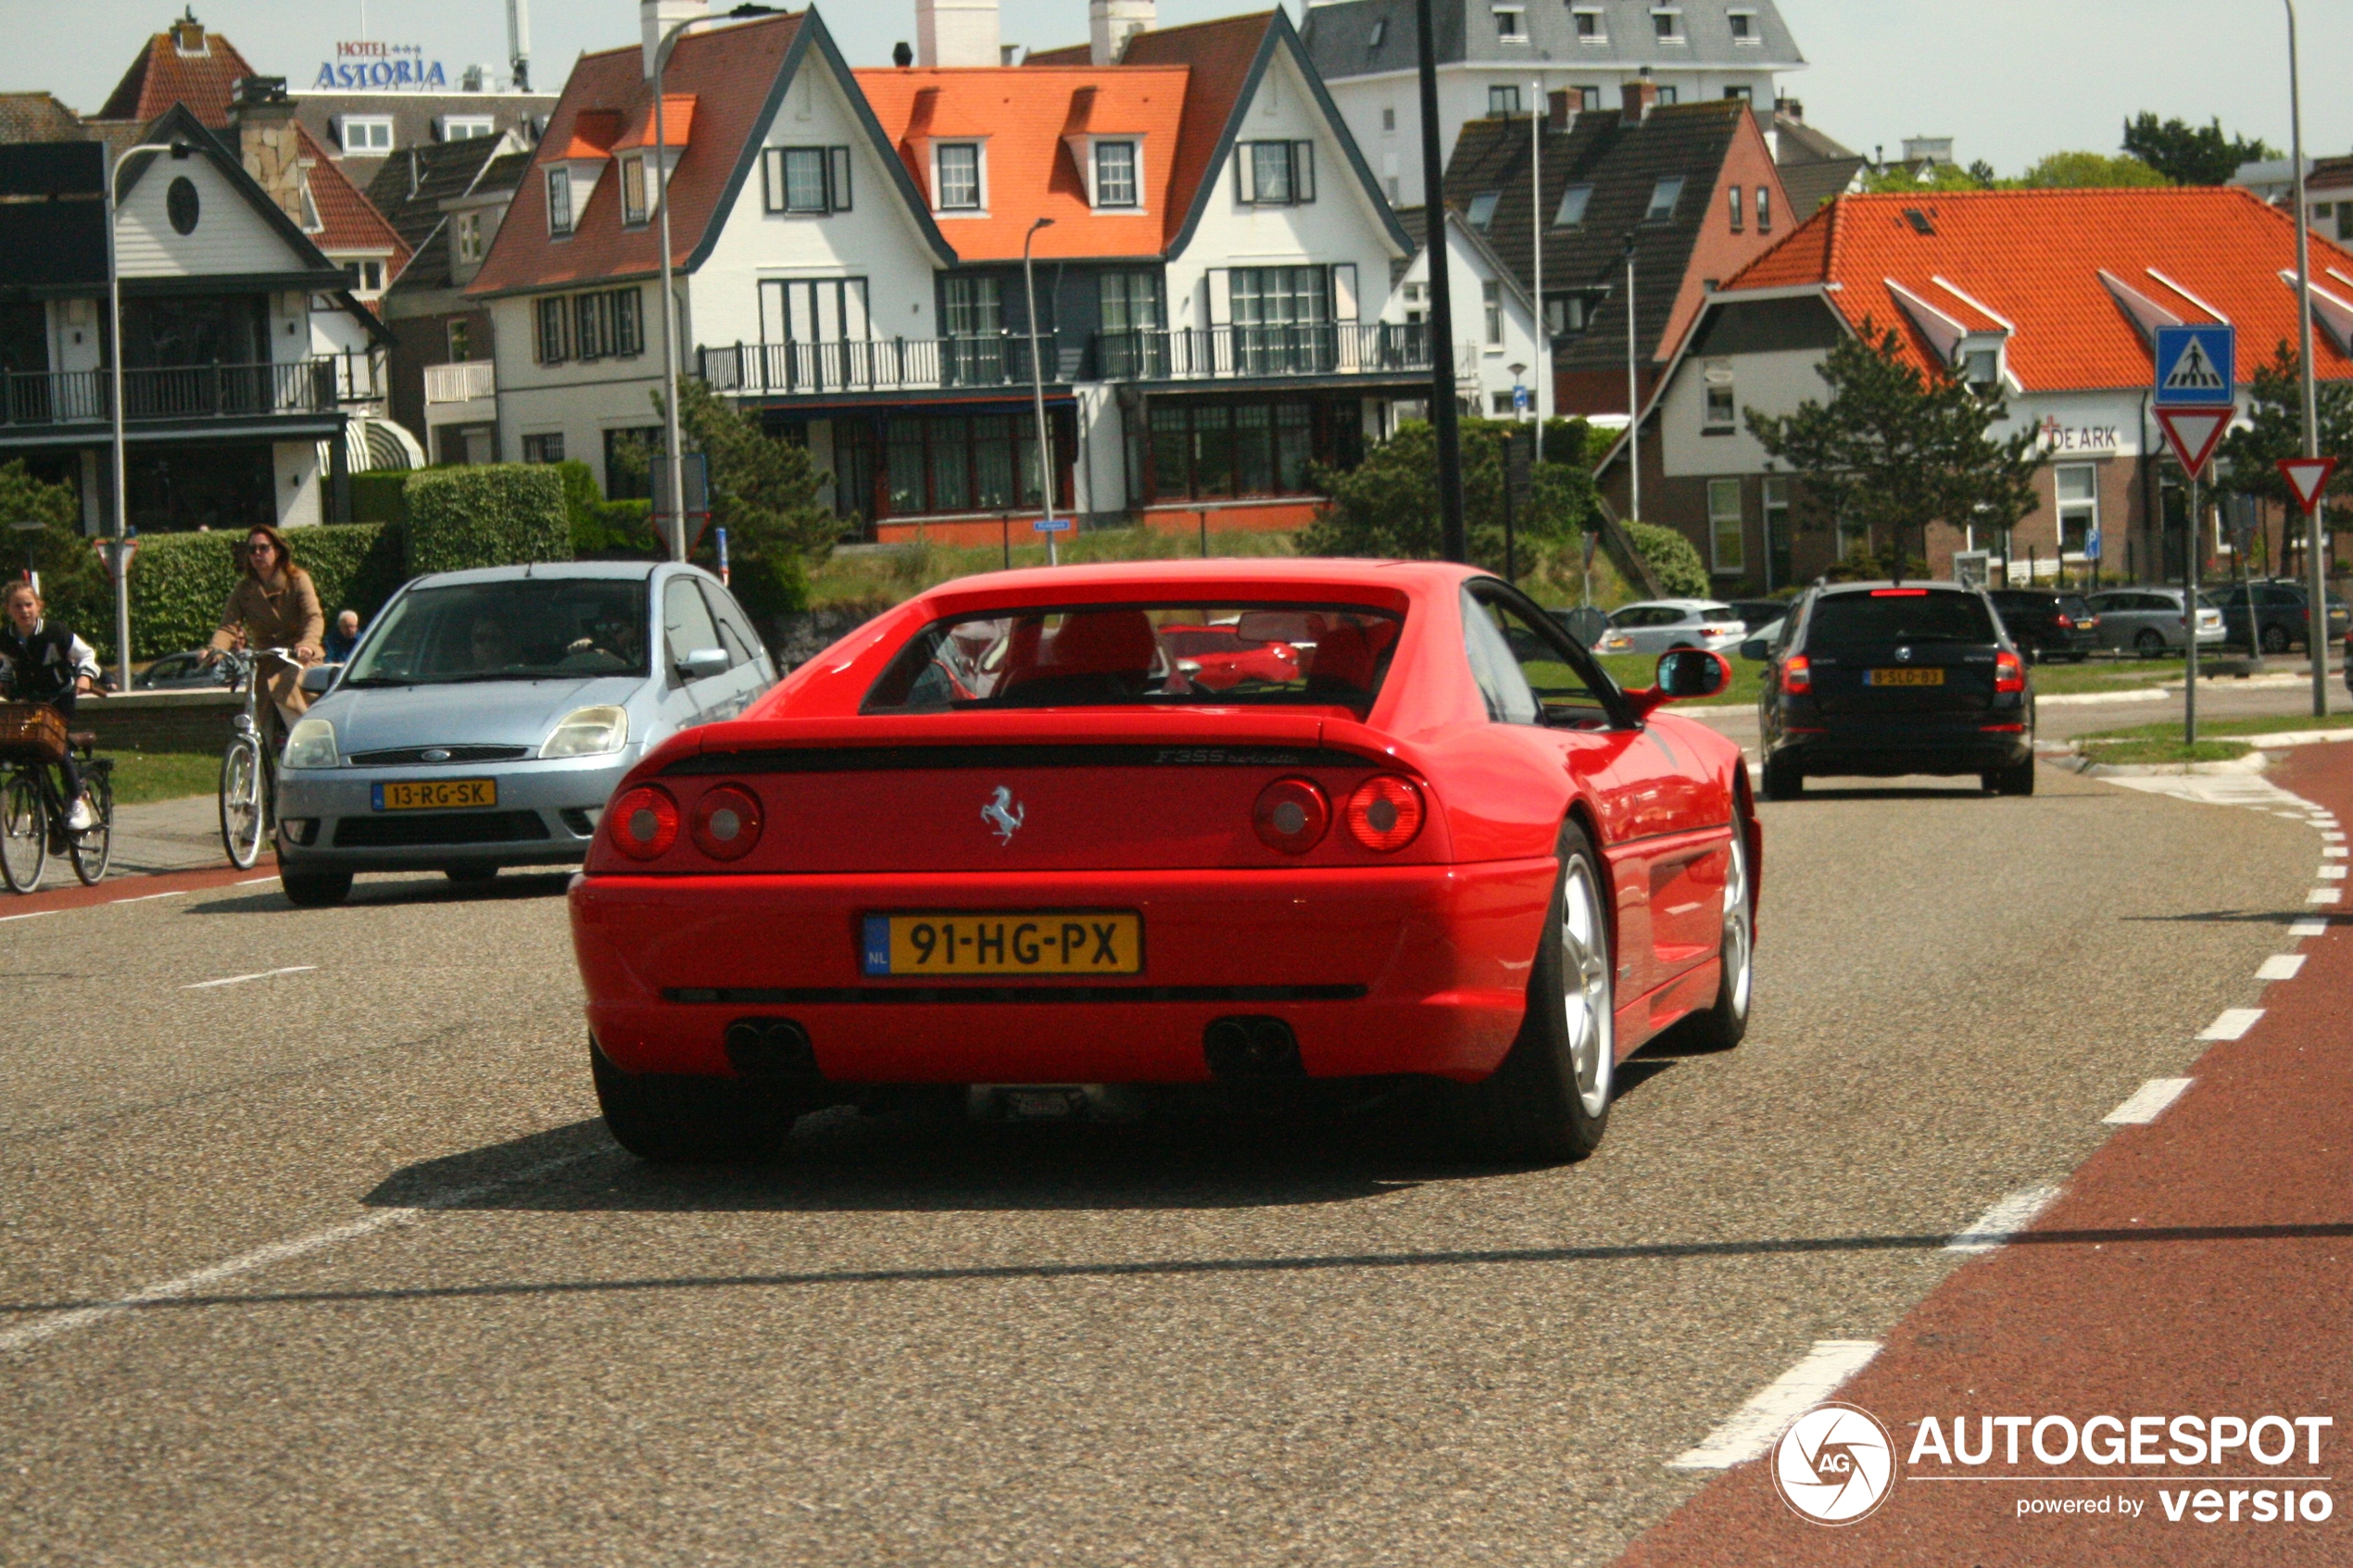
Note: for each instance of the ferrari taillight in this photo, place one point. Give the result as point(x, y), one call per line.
point(2009, 671)
point(645, 822)
point(726, 823)
point(1797, 674)
point(1385, 814)
point(1292, 815)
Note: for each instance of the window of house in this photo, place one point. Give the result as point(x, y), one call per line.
point(1254, 446)
point(957, 166)
point(1668, 26)
point(1727, 539)
point(1482, 209)
point(2078, 505)
point(1982, 367)
point(1131, 302)
point(469, 247)
point(1664, 195)
point(1668, 96)
point(1571, 211)
point(1511, 24)
point(1389, 120)
point(366, 132)
point(1389, 187)
point(1722, 413)
point(1586, 99)
point(1743, 26)
point(560, 201)
point(974, 307)
point(1851, 538)
point(546, 448)
point(1733, 197)
point(1744, 94)
point(1589, 28)
point(1116, 174)
point(960, 463)
point(606, 324)
point(2345, 222)
point(797, 179)
point(1276, 174)
point(1764, 210)
point(1565, 313)
point(1774, 493)
point(1502, 101)
point(364, 277)
point(460, 340)
point(467, 127)
point(1491, 299)
point(633, 190)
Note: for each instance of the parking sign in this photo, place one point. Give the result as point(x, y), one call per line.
point(2196, 367)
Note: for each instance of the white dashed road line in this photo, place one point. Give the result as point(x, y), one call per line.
point(2281, 965)
point(50, 1326)
point(34, 914)
point(2003, 1221)
point(1769, 1411)
point(259, 974)
point(2149, 1102)
point(2235, 1022)
point(2326, 895)
point(2308, 928)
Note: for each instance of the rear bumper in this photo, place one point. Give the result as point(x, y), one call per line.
point(1888, 748)
point(1405, 970)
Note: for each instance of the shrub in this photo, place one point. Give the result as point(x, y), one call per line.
point(486, 514)
point(380, 496)
point(1386, 507)
point(1673, 560)
point(179, 582)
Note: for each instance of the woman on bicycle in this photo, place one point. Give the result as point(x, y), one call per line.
point(45, 662)
point(274, 606)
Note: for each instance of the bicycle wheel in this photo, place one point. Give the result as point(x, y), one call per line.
point(94, 848)
point(241, 809)
point(24, 831)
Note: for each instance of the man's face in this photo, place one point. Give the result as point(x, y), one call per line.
point(23, 613)
point(348, 623)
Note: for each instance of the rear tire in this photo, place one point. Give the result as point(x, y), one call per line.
point(680, 1120)
point(2275, 638)
point(2149, 644)
point(1725, 1023)
point(24, 833)
point(2016, 779)
point(1783, 779)
point(314, 890)
point(1549, 1101)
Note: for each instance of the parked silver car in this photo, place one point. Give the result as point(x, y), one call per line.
point(485, 717)
point(2149, 622)
point(1658, 625)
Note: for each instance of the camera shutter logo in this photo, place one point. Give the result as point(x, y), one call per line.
point(1835, 1464)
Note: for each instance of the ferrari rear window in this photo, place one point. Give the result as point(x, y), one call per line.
point(1932, 617)
point(1154, 654)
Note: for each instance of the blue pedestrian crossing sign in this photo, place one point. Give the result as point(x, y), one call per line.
point(2196, 367)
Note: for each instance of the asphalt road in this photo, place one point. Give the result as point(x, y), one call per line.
point(336, 1265)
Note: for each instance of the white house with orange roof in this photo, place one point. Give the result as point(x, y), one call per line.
point(2051, 297)
point(1208, 254)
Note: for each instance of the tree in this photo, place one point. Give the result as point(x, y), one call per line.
point(1896, 450)
point(2250, 457)
point(2190, 154)
point(73, 585)
point(1386, 507)
point(763, 492)
point(2087, 172)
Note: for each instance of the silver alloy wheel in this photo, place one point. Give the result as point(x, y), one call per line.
point(1585, 976)
point(1738, 973)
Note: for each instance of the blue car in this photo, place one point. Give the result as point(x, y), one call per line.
point(486, 715)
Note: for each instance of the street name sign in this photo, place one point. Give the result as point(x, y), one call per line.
point(2308, 477)
point(2196, 367)
point(1051, 525)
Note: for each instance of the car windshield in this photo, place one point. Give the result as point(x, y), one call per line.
point(517, 628)
point(1154, 654)
point(1900, 615)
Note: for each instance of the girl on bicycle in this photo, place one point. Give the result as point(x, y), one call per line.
point(274, 606)
point(45, 662)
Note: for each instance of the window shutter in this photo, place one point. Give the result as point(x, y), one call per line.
point(771, 180)
point(837, 181)
point(1221, 296)
point(1245, 174)
point(855, 323)
point(1344, 291)
point(1303, 171)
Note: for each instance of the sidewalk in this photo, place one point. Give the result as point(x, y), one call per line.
point(2196, 1266)
point(166, 836)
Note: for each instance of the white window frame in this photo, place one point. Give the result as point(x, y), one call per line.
point(637, 206)
point(1580, 16)
point(1675, 31)
point(1299, 162)
point(1135, 150)
point(1714, 396)
point(562, 217)
point(1490, 302)
point(467, 127)
point(1739, 16)
point(1508, 95)
point(371, 123)
point(978, 206)
point(1723, 562)
point(1515, 30)
point(2085, 509)
point(833, 181)
point(370, 281)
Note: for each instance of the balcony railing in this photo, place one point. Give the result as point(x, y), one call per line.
point(185, 392)
point(1230, 353)
point(873, 365)
point(460, 383)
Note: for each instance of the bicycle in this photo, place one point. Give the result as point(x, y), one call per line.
point(249, 772)
point(34, 809)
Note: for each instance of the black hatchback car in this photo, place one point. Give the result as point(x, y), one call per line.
point(2047, 625)
point(1884, 678)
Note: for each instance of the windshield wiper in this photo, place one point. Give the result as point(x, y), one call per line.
point(380, 681)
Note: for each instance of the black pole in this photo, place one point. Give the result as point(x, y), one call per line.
point(1443, 416)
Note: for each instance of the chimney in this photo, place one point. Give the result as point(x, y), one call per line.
point(263, 118)
point(187, 36)
point(1790, 106)
point(656, 18)
point(956, 32)
point(1641, 97)
point(1111, 23)
point(1559, 112)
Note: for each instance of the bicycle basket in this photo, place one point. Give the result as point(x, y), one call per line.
point(32, 732)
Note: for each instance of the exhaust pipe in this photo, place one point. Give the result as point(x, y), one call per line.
point(1252, 1047)
point(771, 1050)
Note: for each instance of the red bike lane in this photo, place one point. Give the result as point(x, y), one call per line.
point(2199, 1266)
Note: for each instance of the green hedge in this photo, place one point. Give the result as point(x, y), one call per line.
point(380, 496)
point(489, 514)
point(179, 582)
point(1673, 559)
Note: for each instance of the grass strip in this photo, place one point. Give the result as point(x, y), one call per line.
point(2162, 752)
point(142, 777)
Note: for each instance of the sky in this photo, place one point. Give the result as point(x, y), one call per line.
point(2009, 80)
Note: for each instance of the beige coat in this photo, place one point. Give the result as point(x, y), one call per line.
point(284, 615)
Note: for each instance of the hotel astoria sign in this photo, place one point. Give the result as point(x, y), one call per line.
point(362, 65)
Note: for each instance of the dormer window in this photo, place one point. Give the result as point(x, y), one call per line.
point(1511, 24)
point(1503, 102)
point(365, 134)
point(1482, 209)
point(470, 245)
point(467, 127)
point(1667, 25)
point(1744, 25)
point(1116, 174)
point(1980, 366)
point(560, 201)
point(1572, 208)
point(956, 176)
point(633, 190)
point(1664, 195)
point(1589, 26)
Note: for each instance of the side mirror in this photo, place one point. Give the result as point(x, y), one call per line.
point(319, 677)
point(1687, 674)
point(700, 664)
point(1757, 649)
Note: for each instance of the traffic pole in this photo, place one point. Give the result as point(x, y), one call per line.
point(1453, 544)
point(2189, 610)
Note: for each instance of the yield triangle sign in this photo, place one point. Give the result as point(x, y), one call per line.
point(2195, 432)
point(2308, 477)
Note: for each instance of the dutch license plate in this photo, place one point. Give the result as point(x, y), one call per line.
point(977, 942)
point(1908, 677)
point(435, 795)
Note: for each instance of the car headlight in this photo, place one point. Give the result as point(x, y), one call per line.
point(589, 732)
point(311, 743)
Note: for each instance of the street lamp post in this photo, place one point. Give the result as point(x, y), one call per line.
point(1038, 392)
point(2316, 630)
point(1454, 543)
point(1633, 400)
point(120, 559)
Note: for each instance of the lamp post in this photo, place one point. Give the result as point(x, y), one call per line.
point(1038, 392)
point(119, 559)
point(2316, 632)
point(1633, 400)
point(1453, 543)
point(673, 456)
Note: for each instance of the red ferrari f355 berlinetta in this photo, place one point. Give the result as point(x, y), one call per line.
point(997, 837)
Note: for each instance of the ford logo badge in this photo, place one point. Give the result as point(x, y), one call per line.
point(433, 753)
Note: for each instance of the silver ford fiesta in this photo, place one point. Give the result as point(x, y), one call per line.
point(486, 715)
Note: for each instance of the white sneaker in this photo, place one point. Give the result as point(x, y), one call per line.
point(79, 818)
